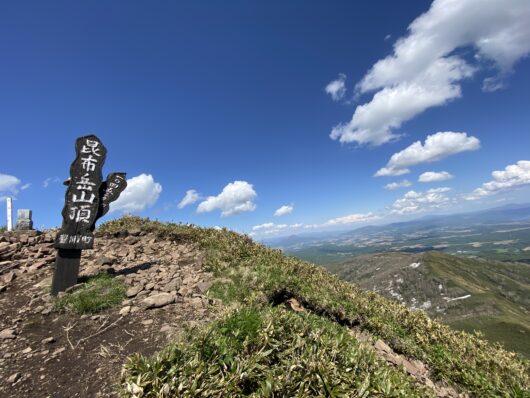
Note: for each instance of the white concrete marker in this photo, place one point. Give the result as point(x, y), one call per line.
point(9, 205)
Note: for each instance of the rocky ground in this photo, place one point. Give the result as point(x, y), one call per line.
point(47, 353)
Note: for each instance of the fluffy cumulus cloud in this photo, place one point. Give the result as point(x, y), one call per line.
point(191, 197)
point(142, 191)
point(351, 219)
point(236, 197)
point(416, 202)
point(513, 176)
point(9, 186)
point(434, 176)
point(436, 147)
point(423, 71)
point(337, 88)
point(284, 210)
point(9, 183)
point(396, 185)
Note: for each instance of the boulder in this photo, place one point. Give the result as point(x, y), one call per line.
point(158, 300)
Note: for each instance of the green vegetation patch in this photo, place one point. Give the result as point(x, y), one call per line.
point(267, 352)
point(98, 293)
point(249, 273)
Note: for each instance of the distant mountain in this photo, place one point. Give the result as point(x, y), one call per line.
point(501, 233)
point(466, 293)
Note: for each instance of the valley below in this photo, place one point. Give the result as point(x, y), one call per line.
point(471, 294)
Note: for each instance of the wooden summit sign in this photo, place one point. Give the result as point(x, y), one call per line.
point(87, 199)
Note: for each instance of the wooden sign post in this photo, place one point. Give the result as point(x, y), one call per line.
point(87, 199)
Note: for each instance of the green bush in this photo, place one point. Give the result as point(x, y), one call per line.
point(268, 352)
point(98, 293)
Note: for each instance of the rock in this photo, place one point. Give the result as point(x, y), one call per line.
point(104, 260)
point(196, 302)
point(9, 277)
point(134, 290)
point(4, 246)
point(125, 310)
point(45, 283)
point(174, 284)
point(13, 378)
point(185, 291)
point(158, 300)
point(203, 287)
point(48, 340)
point(46, 311)
point(26, 350)
point(8, 334)
point(166, 329)
point(135, 232)
point(58, 351)
point(147, 322)
point(410, 368)
point(381, 346)
point(37, 265)
point(295, 305)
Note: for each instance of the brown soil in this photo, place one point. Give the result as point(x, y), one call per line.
point(87, 352)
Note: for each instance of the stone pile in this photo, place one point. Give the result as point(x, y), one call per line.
point(24, 252)
point(166, 293)
point(157, 271)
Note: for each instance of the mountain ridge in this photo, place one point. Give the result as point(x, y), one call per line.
point(261, 324)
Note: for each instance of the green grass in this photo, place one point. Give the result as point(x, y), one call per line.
point(3, 229)
point(98, 293)
point(267, 352)
point(250, 275)
point(513, 336)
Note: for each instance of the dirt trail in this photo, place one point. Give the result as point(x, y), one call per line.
point(45, 353)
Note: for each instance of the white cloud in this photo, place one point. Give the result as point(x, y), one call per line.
point(142, 191)
point(423, 71)
point(236, 197)
point(396, 185)
point(50, 180)
point(432, 176)
point(9, 183)
point(351, 219)
point(284, 210)
point(416, 202)
point(373, 122)
point(437, 146)
point(191, 197)
point(25, 186)
point(271, 228)
point(337, 88)
point(513, 175)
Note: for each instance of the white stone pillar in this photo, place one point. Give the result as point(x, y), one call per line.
point(9, 205)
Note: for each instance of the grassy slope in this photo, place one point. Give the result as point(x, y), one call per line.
point(505, 287)
point(499, 305)
point(249, 276)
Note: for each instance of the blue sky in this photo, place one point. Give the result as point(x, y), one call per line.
point(237, 101)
